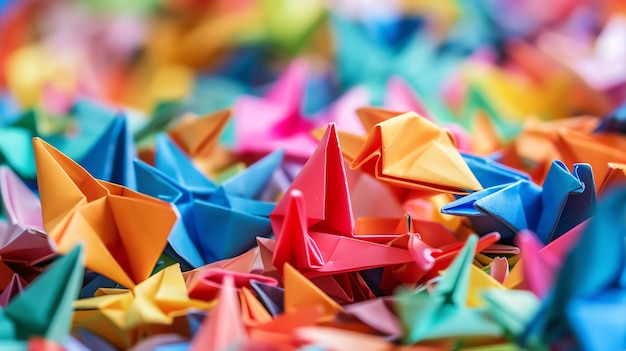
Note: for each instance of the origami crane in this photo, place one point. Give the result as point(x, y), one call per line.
point(590, 293)
point(215, 222)
point(124, 231)
point(23, 241)
point(443, 313)
point(310, 241)
point(386, 154)
point(155, 305)
point(564, 201)
point(278, 120)
point(48, 303)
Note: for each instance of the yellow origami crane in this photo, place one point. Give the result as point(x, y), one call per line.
point(124, 232)
point(123, 317)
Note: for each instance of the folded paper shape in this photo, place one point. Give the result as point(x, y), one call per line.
point(198, 138)
point(207, 283)
point(74, 134)
point(492, 173)
point(14, 288)
point(276, 120)
point(331, 214)
point(23, 240)
point(512, 309)
point(591, 284)
point(154, 306)
point(301, 293)
point(215, 223)
point(544, 263)
point(48, 301)
point(564, 201)
point(124, 231)
point(376, 313)
point(271, 297)
point(616, 176)
point(327, 253)
point(596, 149)
point(224, 327)
point(411, 152)
point(111, 157)
point(252, 310)
point(280, 331)
point(443, 313)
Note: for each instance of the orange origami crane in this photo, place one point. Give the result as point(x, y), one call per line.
point(124, 232)
point(408, 151)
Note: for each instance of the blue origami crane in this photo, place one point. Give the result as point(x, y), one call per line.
point(565, 200)
point(215, 223)
point(587, 306)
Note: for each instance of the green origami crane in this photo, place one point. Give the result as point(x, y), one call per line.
point(443, 313)
point(45, 308)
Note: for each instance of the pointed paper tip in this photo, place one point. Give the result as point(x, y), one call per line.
point(527, 239)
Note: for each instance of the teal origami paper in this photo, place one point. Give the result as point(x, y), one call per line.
point(215, 223)
point(44, 309)
point(163, 116)
point(512, 309)
point(588, 302)
point(16, 151)
point(420, 61)
point(73, 135)
point(565, 200)
point(443, 313)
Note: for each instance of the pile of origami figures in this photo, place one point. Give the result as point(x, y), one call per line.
point(312, 175)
